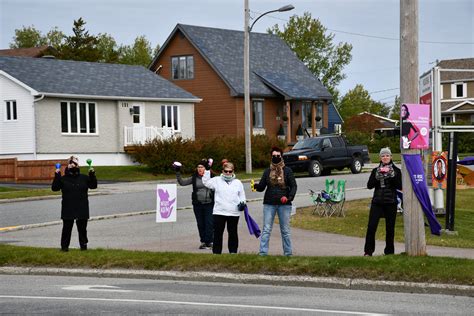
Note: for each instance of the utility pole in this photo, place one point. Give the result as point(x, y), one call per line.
point(415, 244)
point(247, 127)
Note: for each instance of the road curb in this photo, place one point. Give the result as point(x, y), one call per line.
point(304, 281)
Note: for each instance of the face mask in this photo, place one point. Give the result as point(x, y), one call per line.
point(276, 160)
point(227, 178)
point(74, 171)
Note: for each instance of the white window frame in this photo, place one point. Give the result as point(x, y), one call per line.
point(78, 118)
point(13, 107)
point(454, 90)
point(178, 113)
point(187, 74)
point(261, 112)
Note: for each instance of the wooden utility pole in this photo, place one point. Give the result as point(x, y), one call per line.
point(415, 244)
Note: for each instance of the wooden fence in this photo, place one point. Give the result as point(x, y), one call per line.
point(28, 171)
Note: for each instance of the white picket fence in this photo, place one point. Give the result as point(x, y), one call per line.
point(142, 134)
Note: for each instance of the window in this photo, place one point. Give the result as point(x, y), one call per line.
point(170, 116)
point(136, 114)
point(11, 114)
point(78, 118)
point(446, 120)
point(182, 67)
point(336, 142)
point(320, 113)
point(327, 143)
point(257, 114)
point(458, 90)
point(306, 118)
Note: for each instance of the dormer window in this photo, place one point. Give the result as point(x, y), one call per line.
point(458, 90)
point(182, 67)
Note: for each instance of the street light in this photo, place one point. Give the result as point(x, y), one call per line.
point(247, 29)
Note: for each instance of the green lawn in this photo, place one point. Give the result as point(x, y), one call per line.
point(14, 193)
point(357, 212)
point(388, 268)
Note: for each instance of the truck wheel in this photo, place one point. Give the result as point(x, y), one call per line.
point(315, 168)
point(356, 166)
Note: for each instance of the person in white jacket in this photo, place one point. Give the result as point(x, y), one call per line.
point(229, 201)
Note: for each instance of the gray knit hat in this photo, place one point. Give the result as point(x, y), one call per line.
point(385, 151)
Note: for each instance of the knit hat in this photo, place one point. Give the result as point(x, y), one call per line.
point(203, 163)
point(73, 160)
point(385, 151)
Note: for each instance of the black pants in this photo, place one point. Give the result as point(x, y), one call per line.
point(389, 211)
point(205, 222)
point(67, 229)
point(219, 225)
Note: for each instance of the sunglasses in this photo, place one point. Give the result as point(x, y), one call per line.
point(227, 171)
point(277, 156)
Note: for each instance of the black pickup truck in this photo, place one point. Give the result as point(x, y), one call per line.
point(319, 155)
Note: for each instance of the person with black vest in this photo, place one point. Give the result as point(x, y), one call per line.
point(203, 202)
point(280, 185)
point(75, 202)
point(386, 179)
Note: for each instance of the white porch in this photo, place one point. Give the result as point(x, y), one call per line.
point(139, 135)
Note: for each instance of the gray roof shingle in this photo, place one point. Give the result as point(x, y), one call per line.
point(462, 63)
point(273, 65)
point(53, 76)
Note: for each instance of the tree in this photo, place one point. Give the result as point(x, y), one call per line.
point(55, 37)
point(308, 39)
point(108, 48)
point(81, 45)
point(358, 100)
point(395, 112)
point(138, 54)
point(27, 37)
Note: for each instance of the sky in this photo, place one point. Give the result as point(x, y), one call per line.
point(446, 27)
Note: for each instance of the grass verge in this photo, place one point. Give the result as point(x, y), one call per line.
point(357, 216)
point(15, 193)
point(389, 268)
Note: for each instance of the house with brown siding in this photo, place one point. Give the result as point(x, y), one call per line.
point(208, 62)
point(457, 91)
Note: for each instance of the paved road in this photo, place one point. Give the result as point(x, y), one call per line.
point(56, 295)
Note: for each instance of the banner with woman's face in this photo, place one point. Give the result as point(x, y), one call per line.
point(439, 169)
point(415, 126)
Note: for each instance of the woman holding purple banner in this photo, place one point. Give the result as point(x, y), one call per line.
point(75, 203)
point(386, 179)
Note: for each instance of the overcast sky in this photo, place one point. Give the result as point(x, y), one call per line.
point(371, 26)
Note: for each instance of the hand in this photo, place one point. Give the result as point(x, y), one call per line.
point(241, 206)
point(283, 199)
point(91, 172)
point(252, 185)
point(206, 164)
point(177, 166)
point(210, 161)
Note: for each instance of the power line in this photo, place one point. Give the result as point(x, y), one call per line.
point(373, 92)
point(375, 36)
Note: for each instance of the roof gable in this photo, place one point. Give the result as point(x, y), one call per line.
point(66, 77)
point(273, 65)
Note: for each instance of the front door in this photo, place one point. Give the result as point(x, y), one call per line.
point(138, 119)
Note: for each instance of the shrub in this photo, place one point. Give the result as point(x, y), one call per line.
point(160, 154)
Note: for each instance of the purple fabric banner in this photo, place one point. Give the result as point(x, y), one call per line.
point(251, 224)
point(415, 170)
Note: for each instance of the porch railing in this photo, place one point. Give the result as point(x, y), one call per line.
point(142, 134)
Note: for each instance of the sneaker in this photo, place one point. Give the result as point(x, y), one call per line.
point(367, 255)
point(203, 246)
point(209, 245)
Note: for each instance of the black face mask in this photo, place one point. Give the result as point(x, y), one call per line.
point(276, 160)
point(74, 171)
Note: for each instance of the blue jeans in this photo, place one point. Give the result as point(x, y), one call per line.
point(269, 212)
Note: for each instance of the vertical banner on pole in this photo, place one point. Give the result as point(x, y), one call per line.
point(166, 203)
point(415, 126)
point(439, 169)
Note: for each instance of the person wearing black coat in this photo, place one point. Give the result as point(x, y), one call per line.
point(75, 203)
point(386, 179)
point(280, 185)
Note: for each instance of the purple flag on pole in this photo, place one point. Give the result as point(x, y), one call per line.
point(251, 224)
point(417, 177)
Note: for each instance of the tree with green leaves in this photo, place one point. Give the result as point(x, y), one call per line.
point(26, 37)
point(108, 48)
point(395, 112)
point(309, 39)
point(138, 54)
point(358, 100)
point(81, 45)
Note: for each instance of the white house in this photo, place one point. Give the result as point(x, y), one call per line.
point(52, 108)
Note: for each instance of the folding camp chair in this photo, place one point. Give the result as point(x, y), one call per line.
point(319, 201)
point(335, 204)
